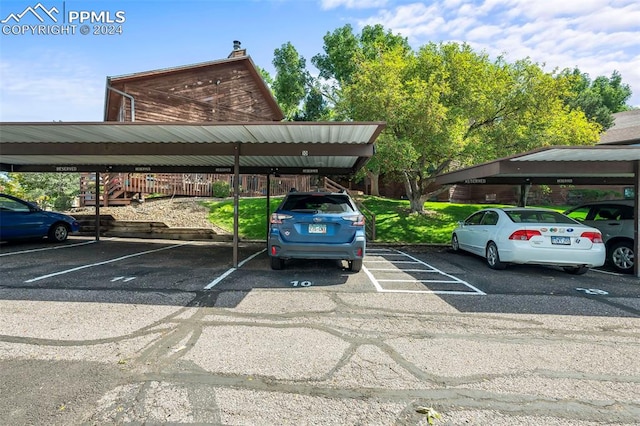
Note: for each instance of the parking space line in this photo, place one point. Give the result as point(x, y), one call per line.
point(79, 268)
point(231, 270)
point(414, 281)
point(47, 248)
point(404, 270)
point(428, 269)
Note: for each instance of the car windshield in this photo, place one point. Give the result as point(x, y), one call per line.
point(538, 216)
point(317, 203)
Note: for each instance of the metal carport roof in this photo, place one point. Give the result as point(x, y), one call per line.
point(577, 165)
point(615, 161)
point(269, 147)
point(316, 148)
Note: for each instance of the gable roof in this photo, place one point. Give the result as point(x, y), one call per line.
point(625, 130)
point(113, 97)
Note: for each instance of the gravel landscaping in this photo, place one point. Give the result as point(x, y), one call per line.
point(174, 212)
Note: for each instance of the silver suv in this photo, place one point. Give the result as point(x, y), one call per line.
point(615, 220)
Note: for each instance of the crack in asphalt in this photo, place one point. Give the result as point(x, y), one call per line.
point(160, 366)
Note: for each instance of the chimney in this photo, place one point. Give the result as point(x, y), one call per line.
point(237, 51)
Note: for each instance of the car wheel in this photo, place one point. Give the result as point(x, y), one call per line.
point(621, 256)
point(355, 265)
point(276, 263)
point(493, 257)
point(58, 232)
point(576, 270)
point(455, 245)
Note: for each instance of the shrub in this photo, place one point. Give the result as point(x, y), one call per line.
point(62, 203)
point(220, 189)
point(578, 196)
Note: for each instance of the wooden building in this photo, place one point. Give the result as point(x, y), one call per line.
point(225, 90)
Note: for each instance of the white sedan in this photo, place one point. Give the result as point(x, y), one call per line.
point(530, 236)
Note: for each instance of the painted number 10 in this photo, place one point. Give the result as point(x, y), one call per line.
point(301, 283)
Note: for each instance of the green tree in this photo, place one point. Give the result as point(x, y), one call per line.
point(50, 190)
point(344, 51)
point(447, 106)
point(297, 92)
point(598, 99)
point(292, 78)
point(10, 186)
point(266, 77)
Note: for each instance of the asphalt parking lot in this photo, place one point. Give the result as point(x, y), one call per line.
point(132, 331)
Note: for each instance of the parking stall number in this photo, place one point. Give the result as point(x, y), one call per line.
point(301, 283)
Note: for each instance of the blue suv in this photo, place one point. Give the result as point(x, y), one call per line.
point(317, 225)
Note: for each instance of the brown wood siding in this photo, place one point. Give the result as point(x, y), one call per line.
point(538, 195)
point(227, 92)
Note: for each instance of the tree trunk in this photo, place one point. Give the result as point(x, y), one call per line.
point(417, 204)
point(374, 179)
point(414, 193)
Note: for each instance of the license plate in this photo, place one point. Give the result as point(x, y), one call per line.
point(563, 241)
point(315, 228)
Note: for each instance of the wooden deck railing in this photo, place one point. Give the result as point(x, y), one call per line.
point(122, 188)
point(370, 217)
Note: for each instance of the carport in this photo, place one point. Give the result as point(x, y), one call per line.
point(608, 164)
point(270, 148)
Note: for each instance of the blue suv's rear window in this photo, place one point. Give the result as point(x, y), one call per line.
point(317, 203)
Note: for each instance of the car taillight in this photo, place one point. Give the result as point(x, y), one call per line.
point(524, 234)
point(595, 237)
point(357, 219)
point(277, 218)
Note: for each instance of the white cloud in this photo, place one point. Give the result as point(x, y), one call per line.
point(459, 26)
point(597, 36)
point(484, 32)
point(54, 88)
point(610, 19)
point(556, 8)
point(413, 20)
point(352, 4)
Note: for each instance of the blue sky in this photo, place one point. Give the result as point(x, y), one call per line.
point(62, 77)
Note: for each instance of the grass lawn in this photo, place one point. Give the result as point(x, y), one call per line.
point(394, 223)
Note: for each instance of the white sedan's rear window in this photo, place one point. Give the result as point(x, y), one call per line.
point(538, 216)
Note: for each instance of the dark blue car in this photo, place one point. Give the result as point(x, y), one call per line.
point(317, 225)
point(21, 220)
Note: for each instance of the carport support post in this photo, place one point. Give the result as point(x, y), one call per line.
point(236, 198)
point(97, 195)
point(636, 222)
point(524, 192)
point(268, 207)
